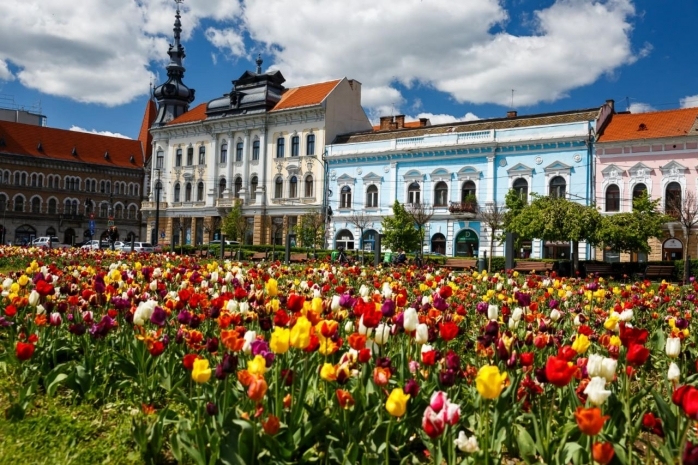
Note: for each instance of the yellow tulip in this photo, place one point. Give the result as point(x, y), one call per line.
point(490, 382)
point(611, 322)
point(328, 372)
point(280, 340)
point(23, 280)
point(272, 288)
point(257, 366)
point(201, 372)
point(300, 333)
point(615, 341)
point(396, 405)
point(581, 344)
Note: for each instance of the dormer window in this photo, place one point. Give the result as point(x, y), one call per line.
point(642, 127)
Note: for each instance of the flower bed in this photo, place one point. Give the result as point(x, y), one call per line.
point(223, 363)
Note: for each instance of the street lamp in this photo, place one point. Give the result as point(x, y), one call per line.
point(3, 202)
point(91, 223)
point(158, 186)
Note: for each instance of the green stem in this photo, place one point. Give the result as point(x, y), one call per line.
point(628, 420)
point(487, 434)
point(387, 442)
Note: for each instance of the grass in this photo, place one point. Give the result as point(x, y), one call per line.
point(57, 431)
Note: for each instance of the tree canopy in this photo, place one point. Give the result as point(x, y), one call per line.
point(399, 230)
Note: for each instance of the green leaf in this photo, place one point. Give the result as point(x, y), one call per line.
point(54, 383)
point(527, 448)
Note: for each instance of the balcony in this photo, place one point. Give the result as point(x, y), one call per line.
point(466, 209)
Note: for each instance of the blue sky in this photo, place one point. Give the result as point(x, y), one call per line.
point(90, 66)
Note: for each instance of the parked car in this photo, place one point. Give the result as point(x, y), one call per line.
point(49, 242)
point(227, 243)
point(95, 244)
point(137, 247)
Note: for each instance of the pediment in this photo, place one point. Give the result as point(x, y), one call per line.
point(345, 179)
point(612, 171)
point(557, 166)
point(468, 172)
point(520, 169)
point(673, 168)
point(372, 177)
point(413, 175)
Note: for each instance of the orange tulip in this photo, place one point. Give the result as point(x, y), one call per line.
point(602, 452)
point(345, 398)
point(381, 376)
point(272, 425)
point(589, 420)
point(257, 389)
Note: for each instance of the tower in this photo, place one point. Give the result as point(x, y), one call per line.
point(173, 97)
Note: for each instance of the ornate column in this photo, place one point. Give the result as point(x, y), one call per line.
point(490, 180)
point(229, 165)
point(245, 165)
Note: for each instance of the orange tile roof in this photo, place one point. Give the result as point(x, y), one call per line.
point(198, 113)
point(652, 125)
point(144, 136)
point(408, 124)
point(303, 96)
point(58, 144)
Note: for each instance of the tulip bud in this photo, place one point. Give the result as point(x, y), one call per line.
point(674, 373)
point(673, 347)
point(410, 320)
point(422, 334)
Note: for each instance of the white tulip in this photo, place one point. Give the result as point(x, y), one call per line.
point(349, 327)
point(626, 315)
point(555, 314)
point(244, 307)
point(387, 291)
point(673, 347)
point(363, 290)
point(674, 373)
point(492, 312)
point(516, 314)
point(335, 303)
point(594, 363)
point(232, 305)
point(422, 334)
point(466, 444)
point(382, 334)
point(410, 320)
point(144, 312)
point(249, 337)
point(34, 298)
point(608, 369)
point(596, 391)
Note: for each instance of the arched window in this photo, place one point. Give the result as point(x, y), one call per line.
point(639, 190)
point(345, 197)
point(202, 155)
point(66, 207)
point(132, 212)
point(441, 194)
point(52, 206)
point(187, 192)
point(308, 186)
point(278, 188)
point(558, 187)
point(295, 146)
point(672, 199)
point(438, 243)
point(41, 180)
point(36, 205)
point(238, 187)
point(177, 191)
point(293, 187)
point(34, 182)
point(159, 160)
point(414, 193)
point(24, 179)
point(372, 196)
point(221, 187)
point(521, 188)
point(467, 192)
point(19, 203)
point(280, 147)
point(200, 192)
point(178, 157)
point(190, 156)
point(253, 188)
point(310, 145)
point(4, 204)
point(255, 149)
point(224, 153)
point(612, 198)
point(103, 210)
point(118, 211)
point(238, 151)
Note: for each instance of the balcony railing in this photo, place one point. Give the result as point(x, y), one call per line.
point(463, 208)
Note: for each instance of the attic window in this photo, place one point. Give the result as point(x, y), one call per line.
point(133, 160)
point(75, 151)
point(39, 147)
point(2, 142)
point(106, 155)
point(642, 127)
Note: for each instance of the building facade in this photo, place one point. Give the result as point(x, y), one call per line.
point(68, 184)
point(459, 169)
point(652, 152)
point(260, 145)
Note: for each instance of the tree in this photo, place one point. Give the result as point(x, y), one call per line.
point(421, 214)
point(684, 210)
point(311, 230)
point(630, 231)
point(399, 229)
point(493, 217)
point(361, 220)
point(235, 225)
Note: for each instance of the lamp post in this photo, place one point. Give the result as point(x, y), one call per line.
point(3, 202)
point(91, 224)
point(158, 186)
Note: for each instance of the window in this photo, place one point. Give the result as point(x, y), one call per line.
point(221, 188)
point(521, 188)
point(345, 197)
point(52, 206)
point(131, 212)
point(295, 146)
point(159, 160)
point(36, 205)
point(224, 153)
point(19, 203)
point(108, 185)
point(253, 188)
point(3, 203)
point(16, 179)
point(202, 155)
point(187, 192)
point(200, 192)
point(238, 187)
point(558, 187)
point(441, 194)
point(372, 196)
point(612, 198)
point(293, 187)
point(178, 157)
point(255, 150)
point(414, 193)
point(467, 191)
point(238, 151)
point(639, 190)
point(672, 199)
point(310, 145)
point(177, 191)
point(280, 147)
point(103, 210)
point(118, 211)
point(308, 192)
point(190, 156)
point(34, 181)
point(278, 188)
point(41, 181)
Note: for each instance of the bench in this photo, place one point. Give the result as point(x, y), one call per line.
point(258, 256)
point(536, 267)
point(598, 269)
point(461, 263)
point(298, 257)
point(657, 272)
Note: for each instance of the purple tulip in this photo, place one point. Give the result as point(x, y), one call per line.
point(412, 388)
point(159, 317)
point(388, 308)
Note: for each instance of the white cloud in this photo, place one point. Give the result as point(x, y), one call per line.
point(101, 133)
point(5, 73)
point(640, 107)
point(226, 40)
point(443, 118)
point(94, 51)
point(689, 101)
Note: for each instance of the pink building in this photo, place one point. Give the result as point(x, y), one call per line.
point(655, 152)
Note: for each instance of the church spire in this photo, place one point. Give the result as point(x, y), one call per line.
point(173, 97)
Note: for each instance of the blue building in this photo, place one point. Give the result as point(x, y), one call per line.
point(461, 169)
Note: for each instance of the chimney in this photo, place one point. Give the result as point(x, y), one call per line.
point(385, 123)
point(612, 104)
point(400, 121)
point(511, 114)
point(423, 122)
point(393, 126)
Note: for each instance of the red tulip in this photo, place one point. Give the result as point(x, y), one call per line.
point(602, 452)
point(448, 330)
point(637, 354)
point(24, 351)
point(559, 371)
